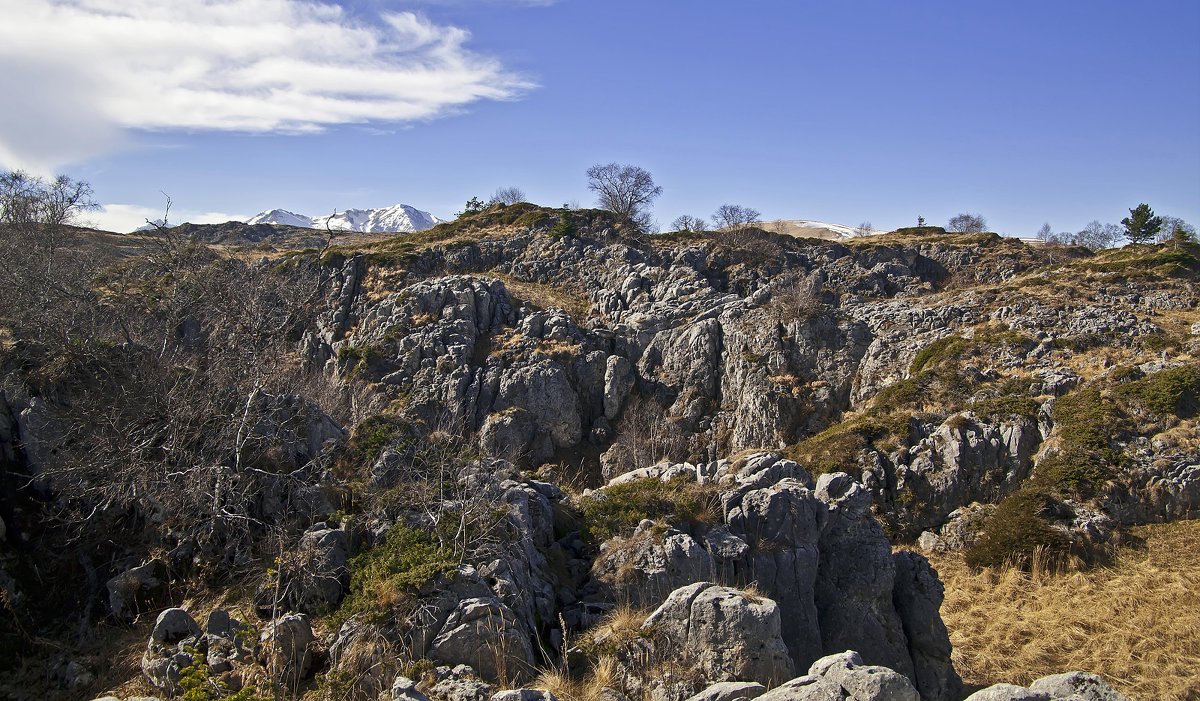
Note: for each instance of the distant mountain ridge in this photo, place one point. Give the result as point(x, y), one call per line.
point(399, 218)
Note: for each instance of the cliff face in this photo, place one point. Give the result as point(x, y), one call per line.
point(467, 445)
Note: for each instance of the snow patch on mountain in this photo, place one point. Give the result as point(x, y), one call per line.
point(281, 217)
point(400, 218)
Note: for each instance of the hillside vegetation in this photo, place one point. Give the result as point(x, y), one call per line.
point(322, 468)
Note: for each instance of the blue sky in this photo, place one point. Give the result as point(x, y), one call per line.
point(1024, 112)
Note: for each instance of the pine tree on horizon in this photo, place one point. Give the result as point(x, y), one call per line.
point(1141, 226)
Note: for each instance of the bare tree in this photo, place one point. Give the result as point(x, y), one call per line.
point(967, 224)
point(686, 222)
point(1045, 234)
point(863, 229)
point(46, 278)
point(624, 190)
point(509, 195)
point(1174, 228)
point(1097, 236)
point(735, 217)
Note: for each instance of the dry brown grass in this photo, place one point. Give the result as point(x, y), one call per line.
point(1137, 623)
point(605, 673)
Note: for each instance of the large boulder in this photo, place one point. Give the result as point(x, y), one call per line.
point(363, 653)
point(844, 677)
point(286, 648)
point(650, 564)
point(729, 634)
point(782, 525)
point(323, 554)
point(487, 635)
point(855, 578)
point(1076, 685)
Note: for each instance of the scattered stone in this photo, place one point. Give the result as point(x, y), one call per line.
point(405, 689)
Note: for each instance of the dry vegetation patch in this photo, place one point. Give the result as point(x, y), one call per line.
point(1136, 623)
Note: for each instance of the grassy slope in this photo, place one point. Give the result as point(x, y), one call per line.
point(1136, 623)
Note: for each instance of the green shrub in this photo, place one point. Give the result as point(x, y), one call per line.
point(617, 509)
point(531, 219)
point(837, 448)
point(391, 573)
point(1017, 533)
point(565, 227)
point(938, 350)
point(197, 683)
point(1086, 419)
point(1175, 391)
point(899, 394)
point(1071, 472)
point(1006, 407)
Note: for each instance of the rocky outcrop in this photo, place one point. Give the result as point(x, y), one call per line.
point(177, 644)
point(134, 589)
point(488, 636)
point(728, 634)
point(815, 549)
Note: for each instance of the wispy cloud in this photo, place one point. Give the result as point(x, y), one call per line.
point(78, 74)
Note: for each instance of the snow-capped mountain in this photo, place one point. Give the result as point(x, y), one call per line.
point(397, 218)
point(281, 217)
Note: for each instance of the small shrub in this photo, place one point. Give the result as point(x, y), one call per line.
point(1006, 407)
point(899, 394)
point(1017, 533)
point(1086, 419)
point(938, 350)
point(1175, 391)
point(1073, 471)
point(373, 435)
point(391, 573)
point(837, 449)
point(565, 227)
point(197, 683)
point(617, 509)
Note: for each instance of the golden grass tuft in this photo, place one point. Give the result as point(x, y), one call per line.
point(1136, 623)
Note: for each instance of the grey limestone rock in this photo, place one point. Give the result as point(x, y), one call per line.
point(286, 648)
point(918, 595)
point(646, 567)
point(524, 695)
point(362, 652)
point(405, 689)
point(730, 635)
point(166, 653)
point(325, 552)
point(460, 683)
point(1076, 686)
point(844, 677)
point(485, 634)
point(130, 591)
point(1008, 692)
point(730, 691)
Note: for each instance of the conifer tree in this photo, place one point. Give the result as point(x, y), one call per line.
point(1141, 226)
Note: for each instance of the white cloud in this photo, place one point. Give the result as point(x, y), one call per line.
point(78, 73)
point(124, 218)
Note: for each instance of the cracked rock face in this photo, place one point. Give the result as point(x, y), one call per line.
point(730, 634)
